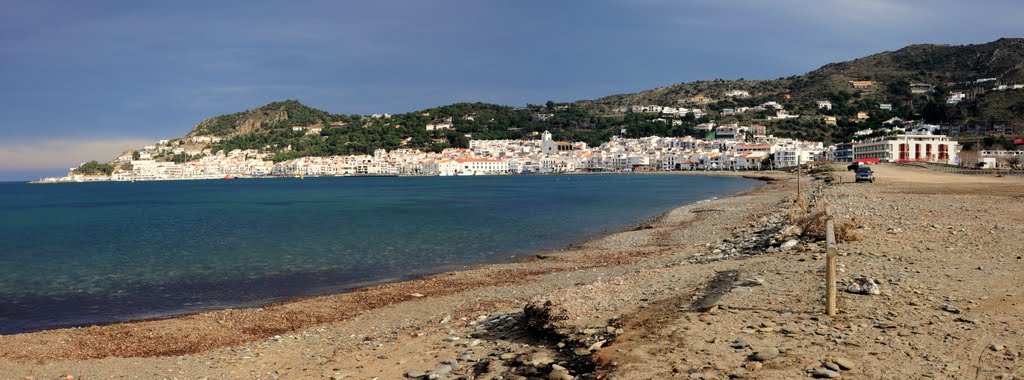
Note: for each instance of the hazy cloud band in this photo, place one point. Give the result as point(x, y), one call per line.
point(62, 153)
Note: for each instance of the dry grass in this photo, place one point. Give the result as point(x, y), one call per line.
point(798, 212)
point(812, 221)
point(847, 230)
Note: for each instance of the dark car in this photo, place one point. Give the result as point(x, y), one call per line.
point(854, 166)
point(865, 174)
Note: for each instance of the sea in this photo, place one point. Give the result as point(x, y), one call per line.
point(94, 253)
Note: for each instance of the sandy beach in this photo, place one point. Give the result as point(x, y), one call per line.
point(697, 293)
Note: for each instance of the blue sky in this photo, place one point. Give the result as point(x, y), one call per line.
point(87, 79)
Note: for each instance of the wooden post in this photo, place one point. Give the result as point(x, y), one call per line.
point(798, 176)
point(830, 264)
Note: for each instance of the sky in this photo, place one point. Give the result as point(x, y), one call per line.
point(86, 80)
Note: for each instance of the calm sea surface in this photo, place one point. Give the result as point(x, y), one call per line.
point(77, 254)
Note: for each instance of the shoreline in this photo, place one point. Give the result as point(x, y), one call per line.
point(721, 172)
point(694, 294)
point(426, 275)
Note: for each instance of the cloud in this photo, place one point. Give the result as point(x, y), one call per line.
point(63, 153)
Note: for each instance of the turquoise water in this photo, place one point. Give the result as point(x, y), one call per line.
point(79, 254)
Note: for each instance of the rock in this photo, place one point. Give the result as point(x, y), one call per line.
point(845, 363)
point(696, 375)
point(415, 374)
point(597, 345)
point(765, 354)
point(540, 360)
point(508, 356)
point(441, 369)
point(559, 374)
point(581, 351)
point(864, 285)
point(789, 244)
point(830, 365)
point(739, 344)
point(792, 231)
point(822, 373)
point(446, 319)
point(753, 366)
point(996, 347)
point(964, 320)
point(453, 363)
point(752, 282)
point(950, 309)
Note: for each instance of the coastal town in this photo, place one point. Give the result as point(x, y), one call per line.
point(733, 148)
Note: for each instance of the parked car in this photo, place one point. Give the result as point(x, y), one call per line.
point(854, 166)
point(865, 174)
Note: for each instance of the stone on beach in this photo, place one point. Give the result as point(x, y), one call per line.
point(822, 373)
point(844, 363)
point(864, 285)
point(765, 354)
point(789, 244)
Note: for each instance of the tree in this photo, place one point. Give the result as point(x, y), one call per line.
point(136, 155)
point(94, 168)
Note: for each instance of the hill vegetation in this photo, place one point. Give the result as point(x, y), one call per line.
point(913, 82)
point(94, 168)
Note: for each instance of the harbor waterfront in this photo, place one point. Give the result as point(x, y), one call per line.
point(104, 252)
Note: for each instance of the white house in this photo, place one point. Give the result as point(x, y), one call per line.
point(737, 94)
point(955, 97)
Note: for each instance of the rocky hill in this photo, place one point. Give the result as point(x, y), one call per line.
point(276, 115)
point(939, 65)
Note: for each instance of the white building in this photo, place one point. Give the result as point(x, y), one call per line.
point(793, 156)
point(903, 148)
point(956, 97)
point(547, 145)
point(481, 166)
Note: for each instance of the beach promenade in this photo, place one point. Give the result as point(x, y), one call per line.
point(717, 289)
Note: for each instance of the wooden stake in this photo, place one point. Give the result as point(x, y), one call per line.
point(830, 265)
point(798, 176)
